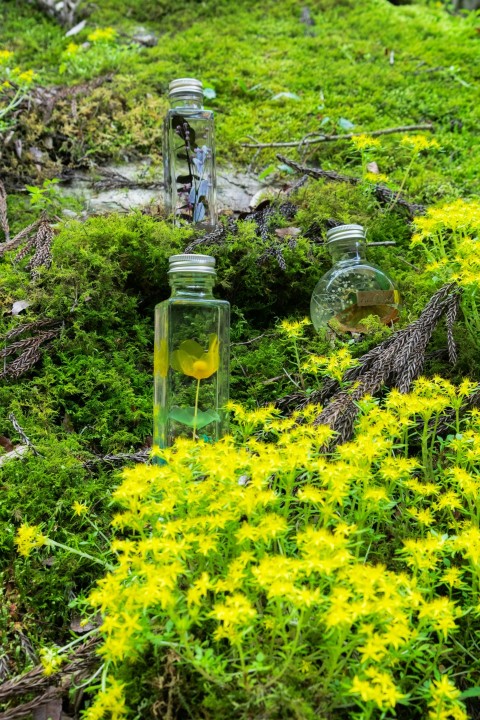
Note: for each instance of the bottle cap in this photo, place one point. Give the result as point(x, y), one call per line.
point(192, 263)
point(185, 86)
point(346, 232)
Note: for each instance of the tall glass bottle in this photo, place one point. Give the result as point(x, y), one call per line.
point(189, 156)
point(191, 355)
point(353, 289)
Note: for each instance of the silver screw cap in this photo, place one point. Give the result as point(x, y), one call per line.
point(346, 232)
point(192, 263)
point(185, 86)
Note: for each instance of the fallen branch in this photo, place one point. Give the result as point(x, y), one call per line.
point(142, 456)
point(308, 140)
point(383, 194)
point(112, 180)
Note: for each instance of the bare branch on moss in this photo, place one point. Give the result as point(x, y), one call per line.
point(262, 217)
point(22, 433)
point(383, 194)
point(309, 140)
point(142, 456)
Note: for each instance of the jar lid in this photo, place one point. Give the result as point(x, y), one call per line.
point(192, 263)
point(346, 232)
point(185, 86)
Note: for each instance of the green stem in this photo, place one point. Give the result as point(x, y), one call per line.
point(302, 381)
point(291, 654)
point(407, 173)
point(196, 410)
point(54, 543)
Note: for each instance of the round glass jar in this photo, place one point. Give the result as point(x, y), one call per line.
point(353, 289)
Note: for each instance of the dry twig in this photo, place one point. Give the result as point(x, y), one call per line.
point(29, 349)
point(47, 688)
point(3, 212)
point(22, 434)
point(384, 194)
point(142, 456)
point(261, 217)
point(309, 140)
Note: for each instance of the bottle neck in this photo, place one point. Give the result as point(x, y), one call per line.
point(193, 101)
point(347, 250)
point(199, 285)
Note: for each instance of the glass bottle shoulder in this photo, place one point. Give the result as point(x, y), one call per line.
point(179, 300)
point(351, 268)
point(190, 113)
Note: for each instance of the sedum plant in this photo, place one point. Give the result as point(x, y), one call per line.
point(284, 582)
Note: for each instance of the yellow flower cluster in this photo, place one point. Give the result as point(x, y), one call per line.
point(5, 56)
point(50, 660)
point(251, 546)
point(449, 235)
point(29, 537)
point(334, 365)
point(419, 142)
point(102, 35)
point(362, 142)
point(295, 329)
point(375, 177)
point(108, 703)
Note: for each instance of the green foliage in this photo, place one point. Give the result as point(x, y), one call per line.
point(273, 89)
point(91, 392)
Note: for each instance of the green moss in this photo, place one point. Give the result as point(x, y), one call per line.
point(251, 54)
point(91, 391)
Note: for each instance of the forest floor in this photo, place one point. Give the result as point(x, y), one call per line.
point(80, 141)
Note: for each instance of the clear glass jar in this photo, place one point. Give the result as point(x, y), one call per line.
point(353, 289)
point(189, 156)
point(191, 355)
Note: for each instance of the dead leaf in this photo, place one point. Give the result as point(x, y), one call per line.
point(51, 710)
point(82, 627)
point(76, 29)
point(288, 232)
point(20, 305)
point(6, 443)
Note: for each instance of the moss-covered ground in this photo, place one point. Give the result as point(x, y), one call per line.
point(276, 80)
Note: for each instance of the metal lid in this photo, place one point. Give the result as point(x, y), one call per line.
point(346, 232)
point(192, 263)
point(185, 86)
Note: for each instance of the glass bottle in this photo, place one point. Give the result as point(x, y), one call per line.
point(189, 156)
point(353, 288)
point(191, 355)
